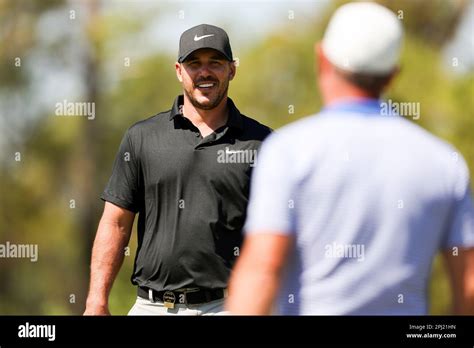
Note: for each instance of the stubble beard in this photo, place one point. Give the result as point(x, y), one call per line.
point(213, 103)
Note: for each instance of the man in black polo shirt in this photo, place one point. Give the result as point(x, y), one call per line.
point(186, 173)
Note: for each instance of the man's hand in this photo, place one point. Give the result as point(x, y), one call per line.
point(96, 309)
point(461, 270)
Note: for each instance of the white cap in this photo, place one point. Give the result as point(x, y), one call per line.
point(363, 37)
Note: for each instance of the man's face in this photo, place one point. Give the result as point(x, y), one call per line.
point(205, 77)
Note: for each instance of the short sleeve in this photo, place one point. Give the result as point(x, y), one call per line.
point(123, 186)
point(271, 205)
point(460, 230)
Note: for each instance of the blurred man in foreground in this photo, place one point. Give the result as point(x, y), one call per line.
point(348, 209)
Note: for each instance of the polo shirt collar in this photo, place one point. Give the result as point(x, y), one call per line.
point(235, 118)
point(360, 106)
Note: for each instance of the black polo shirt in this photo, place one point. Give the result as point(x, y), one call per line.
point(191, 194)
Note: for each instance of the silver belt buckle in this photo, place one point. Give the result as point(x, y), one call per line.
point(150, 295)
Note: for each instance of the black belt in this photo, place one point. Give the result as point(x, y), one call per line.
point(182, 296)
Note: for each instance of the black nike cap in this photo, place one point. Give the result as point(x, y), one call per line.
point(204, 36)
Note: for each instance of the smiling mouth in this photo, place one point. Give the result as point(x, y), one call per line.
point(206, 85)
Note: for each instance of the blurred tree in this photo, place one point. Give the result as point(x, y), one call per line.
point(17, 38)
point(89, 145)
point(432, 21)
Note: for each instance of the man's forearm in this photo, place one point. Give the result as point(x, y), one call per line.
point(255, 280)
point(252, 291)
point(107, 258)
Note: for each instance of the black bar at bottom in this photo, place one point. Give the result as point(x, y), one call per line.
point(223, 330)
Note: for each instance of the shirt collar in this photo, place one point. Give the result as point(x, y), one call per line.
point(361, 106)
point(235, 118)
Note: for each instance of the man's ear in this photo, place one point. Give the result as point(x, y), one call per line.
point(179, 75)
point(321, 62)
point(233, 70)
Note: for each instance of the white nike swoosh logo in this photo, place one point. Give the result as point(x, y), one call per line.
point(234, 151)
point(197, 38)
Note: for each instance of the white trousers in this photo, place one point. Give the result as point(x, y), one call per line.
point(145, 307)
